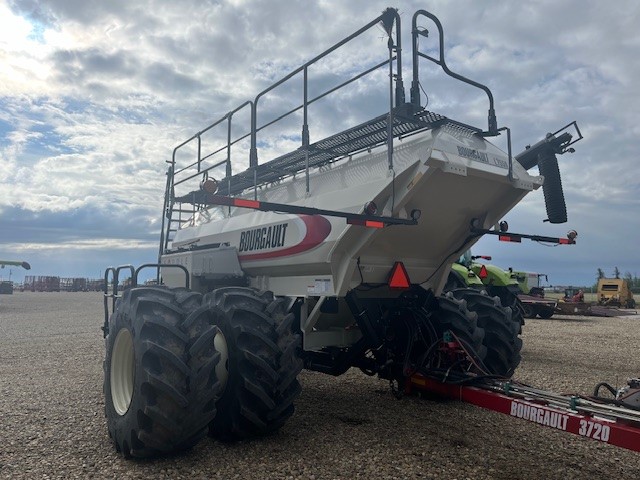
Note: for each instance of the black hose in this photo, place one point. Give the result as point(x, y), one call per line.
point(552, 187)
point(596, 390)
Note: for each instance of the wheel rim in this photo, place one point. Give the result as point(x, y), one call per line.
point(222, 368)
point(122, 372)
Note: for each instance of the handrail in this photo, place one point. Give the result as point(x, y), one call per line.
point(415, 83)
point(284, 115)
point(388, 18)
point(227, 116)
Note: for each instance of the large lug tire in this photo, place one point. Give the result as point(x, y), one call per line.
point(262, 366)
point(160, 383)
point(453, 315)
point(511, 300)
point(545, 312)
point(500, 331)
point(528, 311)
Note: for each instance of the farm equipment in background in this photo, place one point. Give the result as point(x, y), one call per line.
point(532, 296)
point(331, 256)
point(506, 284)
point(531, 283)
point(6, 286)
point(615, 292)
point(573, 295)
point(573, 303)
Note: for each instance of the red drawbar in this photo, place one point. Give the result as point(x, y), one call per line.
point(399, 279)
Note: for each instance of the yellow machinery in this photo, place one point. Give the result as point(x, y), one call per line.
point(615, 291)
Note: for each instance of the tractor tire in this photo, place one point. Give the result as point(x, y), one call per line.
point(453, 315)
point(160, 381)
point(260, 382)
point(509, 299)
point(528, 311)
point(500, 331)
point(545, 312)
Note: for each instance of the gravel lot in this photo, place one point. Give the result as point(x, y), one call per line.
point(52, 413)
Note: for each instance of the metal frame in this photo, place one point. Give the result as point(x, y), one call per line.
point(388, 19)
point(114, 296)
point(372, 221)
point(492, 129)
point(401, 120)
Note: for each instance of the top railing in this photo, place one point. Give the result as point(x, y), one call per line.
point(401, 119)
point(388, 19)
point(492, 129)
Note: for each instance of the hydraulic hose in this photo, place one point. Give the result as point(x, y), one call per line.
point(552, 187)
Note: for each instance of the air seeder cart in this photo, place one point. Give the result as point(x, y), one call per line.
point(330, 256)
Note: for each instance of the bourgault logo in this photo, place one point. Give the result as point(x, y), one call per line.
point(473, 154)
point(261, 238)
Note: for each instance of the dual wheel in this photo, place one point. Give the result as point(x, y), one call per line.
point(180, 365)
point(486, 329)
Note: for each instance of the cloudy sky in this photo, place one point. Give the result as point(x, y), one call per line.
point(95, 94)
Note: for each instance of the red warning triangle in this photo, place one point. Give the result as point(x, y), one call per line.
point(399, 279)
point(483, 273)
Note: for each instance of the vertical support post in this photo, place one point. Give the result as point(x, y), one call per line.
point(228, 171)
point(508, 130)
point(400, 99)
point(199, 152)
point(415, 82)
point(228, 166)
point(305, 129)
point(390, 120)
point(253, 152)
point(255, 183)
point(390, 17)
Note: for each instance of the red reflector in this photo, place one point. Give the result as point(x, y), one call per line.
point(239, 202)
point(483, 273)
point(372, 224)
point(399, 277)
point(509, 238)
point(365, 223)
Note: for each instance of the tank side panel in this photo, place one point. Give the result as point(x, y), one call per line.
point(449, 176)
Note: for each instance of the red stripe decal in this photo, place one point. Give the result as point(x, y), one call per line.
point(318, 228)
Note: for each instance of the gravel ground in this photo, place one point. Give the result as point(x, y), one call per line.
point(52, 413)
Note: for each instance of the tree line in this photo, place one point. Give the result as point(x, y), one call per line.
point(633, 280)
